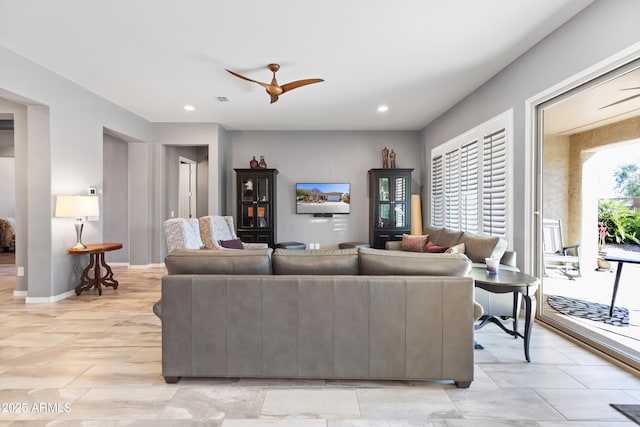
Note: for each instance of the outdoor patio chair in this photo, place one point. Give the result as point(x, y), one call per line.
point(566, 259)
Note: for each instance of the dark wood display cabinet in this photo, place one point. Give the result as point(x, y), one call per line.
point(256, 214)
point(389, 205)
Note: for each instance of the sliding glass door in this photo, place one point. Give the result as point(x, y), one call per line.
point(588, 161)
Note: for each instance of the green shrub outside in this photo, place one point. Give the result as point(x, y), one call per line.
point(622, 222)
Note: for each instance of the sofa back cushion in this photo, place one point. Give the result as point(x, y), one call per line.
point(249, 261)
point(379, 262)
point(443, 236)
point(477, 247)
point(316, 262)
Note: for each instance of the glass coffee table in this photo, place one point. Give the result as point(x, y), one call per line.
point(519, 284)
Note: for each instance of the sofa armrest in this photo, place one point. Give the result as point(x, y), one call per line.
point(509, 258)
point(393, 245)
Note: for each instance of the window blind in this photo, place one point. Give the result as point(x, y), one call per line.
point(494, 184)
point(470, 179)
point(437, 192)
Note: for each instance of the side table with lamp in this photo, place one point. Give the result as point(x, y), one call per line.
point(80, 207)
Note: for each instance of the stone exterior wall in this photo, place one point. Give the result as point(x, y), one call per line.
point(555, 190)
point(582, 146)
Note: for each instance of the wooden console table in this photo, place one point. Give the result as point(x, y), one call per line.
point(96, 261)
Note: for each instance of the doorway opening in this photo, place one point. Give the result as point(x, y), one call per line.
point(7, 193)
point(187, 188)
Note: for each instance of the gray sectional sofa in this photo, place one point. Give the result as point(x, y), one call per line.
point(336, 314)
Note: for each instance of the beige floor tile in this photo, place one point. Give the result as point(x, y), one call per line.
point(503, 404)
point(579, 405)
point(310, 403)
point(406, 403)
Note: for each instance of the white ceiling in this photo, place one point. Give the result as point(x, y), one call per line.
point(420, 57)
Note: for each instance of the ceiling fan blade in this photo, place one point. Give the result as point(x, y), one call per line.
point(620, 102)
point(274, 98)
point(631, 88)
point(264, 85)
point(290, 86)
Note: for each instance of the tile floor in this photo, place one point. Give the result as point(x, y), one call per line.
point(96, 361)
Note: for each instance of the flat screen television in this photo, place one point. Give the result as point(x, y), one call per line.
point(323, 198)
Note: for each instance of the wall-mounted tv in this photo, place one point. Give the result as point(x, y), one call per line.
point(323, 199)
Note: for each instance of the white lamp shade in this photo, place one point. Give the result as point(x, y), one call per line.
point(77, 206)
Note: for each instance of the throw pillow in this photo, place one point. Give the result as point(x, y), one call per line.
point(414, 243)
point(456, 249)
point(434, 249)
point(232, 244)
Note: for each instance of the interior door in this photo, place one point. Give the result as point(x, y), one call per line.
point(187, 188)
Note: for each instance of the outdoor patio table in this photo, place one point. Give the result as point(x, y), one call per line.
point(620, 259)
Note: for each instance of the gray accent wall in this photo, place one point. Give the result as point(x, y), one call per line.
point(321, 156)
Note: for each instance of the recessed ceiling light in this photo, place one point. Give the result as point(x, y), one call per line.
point(383, 108)
point(189, 107)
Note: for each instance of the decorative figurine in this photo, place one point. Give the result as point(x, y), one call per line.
point(253, 164)
point(262, 164)
point(392, 159)
point(385, 158)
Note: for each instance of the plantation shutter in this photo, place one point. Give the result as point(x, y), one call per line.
point(452, 190)
point(494, 183)
point(437, 192)
point(469, 187)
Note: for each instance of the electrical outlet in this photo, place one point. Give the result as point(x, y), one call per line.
point(20, 271)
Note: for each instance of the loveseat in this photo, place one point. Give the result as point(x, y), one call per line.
point(341, 314)
point(476, 247)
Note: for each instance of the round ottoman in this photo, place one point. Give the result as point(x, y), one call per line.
point(290, 245)
point(350, 245)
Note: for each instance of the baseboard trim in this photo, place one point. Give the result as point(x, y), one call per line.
point(145, 266)
point(51, 299)
point(20, 294)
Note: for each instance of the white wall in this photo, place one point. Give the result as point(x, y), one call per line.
point(321, 156)
point(601, 30)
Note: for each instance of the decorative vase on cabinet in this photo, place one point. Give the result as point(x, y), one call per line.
point(256, 205)
point(389, 205)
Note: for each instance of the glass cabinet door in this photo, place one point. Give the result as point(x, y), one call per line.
point(400, 198)
point(262, 215)
point(248, 189)
point(383, 185)
point(384, 215)
point(262, 189)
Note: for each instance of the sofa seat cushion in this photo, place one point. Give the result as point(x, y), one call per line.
point(379, 262)
point(316, 262)
point(186, 261)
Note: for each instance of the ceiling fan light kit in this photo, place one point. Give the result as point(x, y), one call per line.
point(274, 90)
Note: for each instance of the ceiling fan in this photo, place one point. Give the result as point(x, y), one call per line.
point(274, 89)
point(624, 99)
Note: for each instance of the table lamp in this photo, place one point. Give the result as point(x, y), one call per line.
point(77, 207)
